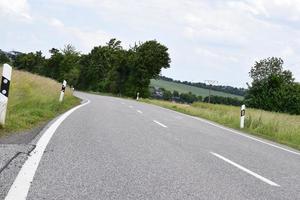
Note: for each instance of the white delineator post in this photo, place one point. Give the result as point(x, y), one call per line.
point(137, 96)
point(5, 82)
point(243, 112)
point(62, 92)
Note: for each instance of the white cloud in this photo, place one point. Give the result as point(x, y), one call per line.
point(15, 8)
point(88, 39)
point(216, 56)
point(201, 35)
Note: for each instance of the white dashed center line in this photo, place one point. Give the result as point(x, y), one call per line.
point(160, 124)
point(246, 170)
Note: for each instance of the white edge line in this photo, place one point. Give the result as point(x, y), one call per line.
point(160, 124)
point(232, 131)
point(246, 170)
point(21, 185)
point(247, 136)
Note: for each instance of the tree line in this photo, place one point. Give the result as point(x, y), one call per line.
point(109, 68)
point(189, 98)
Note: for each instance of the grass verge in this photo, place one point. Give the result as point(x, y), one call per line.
point(32, 101)
point(278, 127)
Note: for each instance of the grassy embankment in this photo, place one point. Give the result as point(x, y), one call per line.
point(278, 127)
point(33, 100)
point(182, 88)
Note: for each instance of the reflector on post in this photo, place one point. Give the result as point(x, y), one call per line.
point(5, 82)
point(243, 112)
point(62, 92)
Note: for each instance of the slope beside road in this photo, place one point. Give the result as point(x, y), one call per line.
point(114, 148)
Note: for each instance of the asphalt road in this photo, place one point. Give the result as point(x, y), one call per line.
point(114, 148)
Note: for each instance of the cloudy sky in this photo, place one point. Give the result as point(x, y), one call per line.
point(207, 39)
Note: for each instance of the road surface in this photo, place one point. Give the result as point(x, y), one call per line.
point(115, 148)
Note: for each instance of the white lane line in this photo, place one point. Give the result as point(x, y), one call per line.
point(130, 106)
point(246, 170)
point(247, 136)
point(160, 124)
point(123, 103)
point(139, 111)
point(233, 131)
point(22, 183)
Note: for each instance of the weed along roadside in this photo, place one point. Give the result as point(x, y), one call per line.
point(278, 127)
point(33, 100)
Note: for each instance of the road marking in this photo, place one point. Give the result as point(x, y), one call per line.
point(21, 185)
point(139, 111)
point(247, 136)
point(246, 170)
point(123, 103)
point(160, 124)
point(130, 106)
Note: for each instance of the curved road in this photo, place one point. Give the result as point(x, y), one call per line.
point(115, 148)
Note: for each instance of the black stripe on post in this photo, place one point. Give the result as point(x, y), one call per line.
point(242, 113)
point(63, 88)
point(5, 86)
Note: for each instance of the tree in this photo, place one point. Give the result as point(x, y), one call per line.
point(3, 58)
point(32, 62)
point(146, 61)
point(167, 95)
point(175, 93)
point(272, 87)
point(53, 64)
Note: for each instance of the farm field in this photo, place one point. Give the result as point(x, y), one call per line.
point(182, 88)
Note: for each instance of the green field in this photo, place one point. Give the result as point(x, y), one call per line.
point(33, 100)
point(278, 127)
point(182, 88)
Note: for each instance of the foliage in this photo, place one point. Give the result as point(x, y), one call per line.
point(3, 58)
point(273, 88)
point(108, 68)
point(33, 100)
point(224, 100)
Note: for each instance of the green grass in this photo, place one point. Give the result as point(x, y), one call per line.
point(32, 101)
point(278, 127)
point(182, 88)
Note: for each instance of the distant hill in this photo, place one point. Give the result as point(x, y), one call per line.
point(184, 88)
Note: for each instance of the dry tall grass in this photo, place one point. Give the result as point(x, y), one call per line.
point(33, 99)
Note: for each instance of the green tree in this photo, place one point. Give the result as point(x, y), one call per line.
point(175, 93)
point(32, 62)
point(146, 61)
point(167, 95)
point(272, 87)
point(3, 58)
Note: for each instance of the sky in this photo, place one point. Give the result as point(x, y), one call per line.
point(207, 39)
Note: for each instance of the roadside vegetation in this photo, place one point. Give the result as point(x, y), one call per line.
point(33, 100)
point(109, 68)
point(278, 127)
